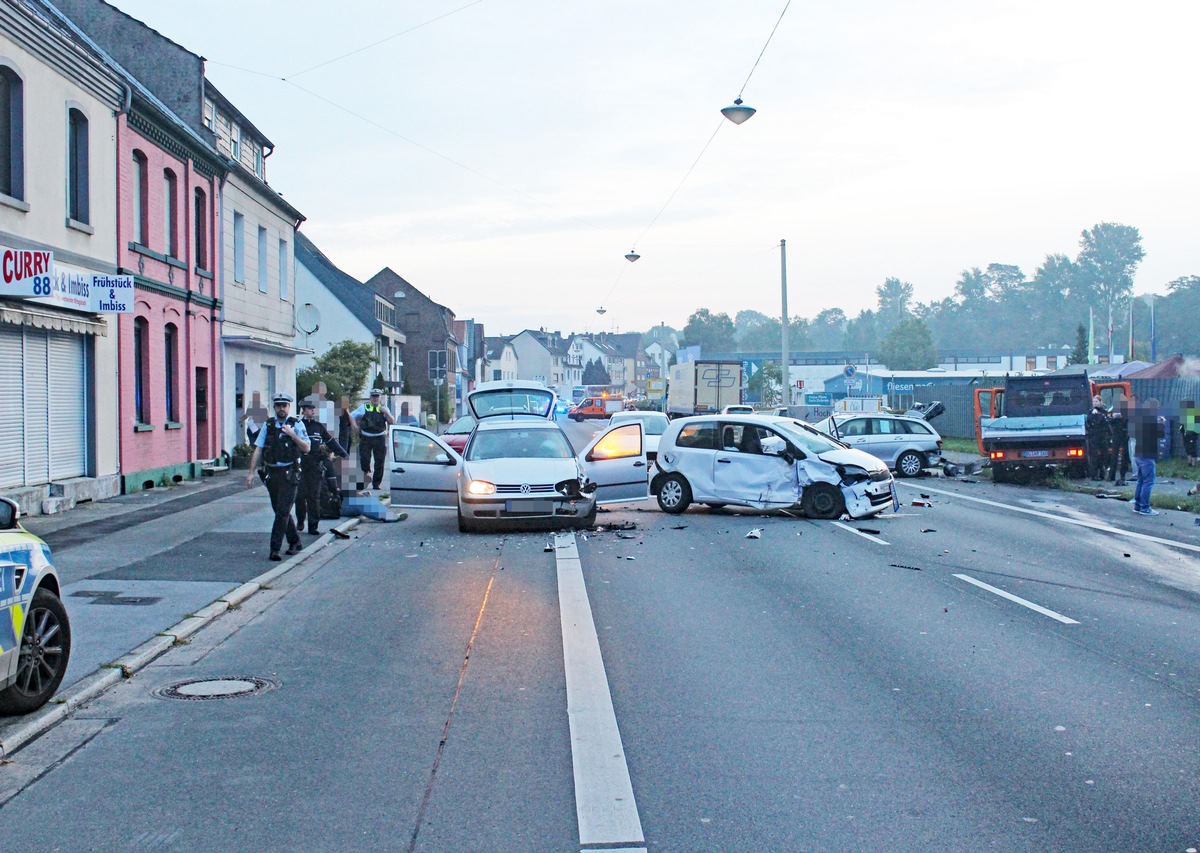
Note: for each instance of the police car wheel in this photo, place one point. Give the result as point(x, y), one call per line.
point(42, 661)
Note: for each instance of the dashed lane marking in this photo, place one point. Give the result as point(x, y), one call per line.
point(866, 536)
point(1066, 620)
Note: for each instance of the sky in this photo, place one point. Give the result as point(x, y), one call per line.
point(504, 155)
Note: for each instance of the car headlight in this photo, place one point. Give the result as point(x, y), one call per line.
point(851, 474)
point(481, 487)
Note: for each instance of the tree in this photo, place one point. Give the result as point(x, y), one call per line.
point(1176, 329)
point(746, 326)
point(1108, 257)
point(767, 336)
point(894, 298)
point(1003, 281)
point(1079, 355)
point(595, 374)
point(908, 346)
point(711, 332)
point(828, 328)
point(861, 332)
point(343, 368)
point(765, 383)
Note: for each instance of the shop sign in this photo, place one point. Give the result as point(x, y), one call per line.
point(25, 272)
point(83, 290)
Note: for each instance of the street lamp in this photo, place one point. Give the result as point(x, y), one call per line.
point(737, 112)
point(785, 392)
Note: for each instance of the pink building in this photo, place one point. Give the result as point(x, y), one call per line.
point(168, 197)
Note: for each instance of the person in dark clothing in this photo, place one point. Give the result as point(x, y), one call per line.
point(1119, 428)
point(312, 466)
point(1099, 440)
point(281, 443)
point(371, 422)
point(345, 425)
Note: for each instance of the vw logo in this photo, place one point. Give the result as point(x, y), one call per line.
point(525, 489)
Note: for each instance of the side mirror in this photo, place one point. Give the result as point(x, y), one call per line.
point(9, 512)
point(442, 459)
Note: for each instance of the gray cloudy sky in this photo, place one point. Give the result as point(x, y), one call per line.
point(517, 149)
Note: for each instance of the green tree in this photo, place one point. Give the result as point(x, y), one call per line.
point(862, 332)
point(765, 383)
point(894, 299)
point(1108, 257)
point(306, 378)
point(767, 336)
point(1079, 353)
point(908, 346)
point(828, 328)
point(595, 374)
point(711, 332)
point(343, 368)
point(1176, 329)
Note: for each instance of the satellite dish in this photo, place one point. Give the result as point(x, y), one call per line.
point(308, 318)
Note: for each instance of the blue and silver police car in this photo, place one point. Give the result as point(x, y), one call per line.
point(35, 634)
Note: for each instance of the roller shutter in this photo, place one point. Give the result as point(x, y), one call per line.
point(65, 374)
point(12, 419)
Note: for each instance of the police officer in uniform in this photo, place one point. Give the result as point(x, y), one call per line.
point(312, 465)
point(1099, 440)
point(371, 423)
point(281, 444)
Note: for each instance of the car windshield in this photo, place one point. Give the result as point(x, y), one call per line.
point(461, 426)
point(651, 424)
point(519, 444)
point(809, 439)
point(513, 401)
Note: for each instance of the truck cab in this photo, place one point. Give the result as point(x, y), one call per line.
point(596, 407)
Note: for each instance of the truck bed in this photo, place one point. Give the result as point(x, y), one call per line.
point(1047, 426)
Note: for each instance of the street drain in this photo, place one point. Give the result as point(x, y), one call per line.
point(215, 688)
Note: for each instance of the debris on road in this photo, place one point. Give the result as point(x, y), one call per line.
point(756, 533)
point(928, 530)
point(625, 536)
point(910, 568)
point(548, 548)
point(1112, 496)
point(922, 503)
point(680, 527)
point(867, 530)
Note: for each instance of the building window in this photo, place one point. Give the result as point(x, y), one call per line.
point(262, 259)
point(210, 115)
point(77, 166)
point(239, 248)
point(1031, 362)
point(170, 213)
point(141, 368)
point(269, 370)
point(260, 163)
point(201, 219)
point(12, 133)
point(283, 269)
point(141, 201)
point(235, 142)
point(170, 369)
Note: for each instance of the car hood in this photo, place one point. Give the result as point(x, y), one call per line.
point(517, 471)
point(850, 456)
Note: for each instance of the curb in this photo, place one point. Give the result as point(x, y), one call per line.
point(15, 735)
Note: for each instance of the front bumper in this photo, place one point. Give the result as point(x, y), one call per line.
point(869, 498)
point(534, 507)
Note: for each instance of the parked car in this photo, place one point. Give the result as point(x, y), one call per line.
point(654, 424)
point(35, 633)
point(737, 409)
point(766, 462)
point(517, 466)
point(906, 444)
point(457, 433)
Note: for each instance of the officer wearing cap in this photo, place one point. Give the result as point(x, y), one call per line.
point(281, 443)
point(371, 423)
point(312, 465)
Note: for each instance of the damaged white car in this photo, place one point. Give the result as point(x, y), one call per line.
point(766, 463)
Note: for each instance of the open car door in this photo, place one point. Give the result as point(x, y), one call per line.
point(424, 470)
point(616, 462)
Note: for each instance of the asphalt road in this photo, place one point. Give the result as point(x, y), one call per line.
point(1004, 669)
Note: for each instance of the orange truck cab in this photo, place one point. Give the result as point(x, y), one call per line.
point(1037, 422)
point(596, 407)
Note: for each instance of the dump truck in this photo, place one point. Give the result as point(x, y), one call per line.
point(1036, 423)
point(703, 387)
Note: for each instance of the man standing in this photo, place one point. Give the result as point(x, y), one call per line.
point(281, 443)
point(1148, 430)
point(1119, 426)
point(371, 422)
point(312, 465)
point(1099, 440)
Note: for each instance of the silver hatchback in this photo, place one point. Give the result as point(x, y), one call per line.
point(904, 443)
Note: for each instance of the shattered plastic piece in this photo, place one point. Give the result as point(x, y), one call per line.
point(684, 526)
point(922, 503)
point(625, 536)
point(756, 533)
point(1128, 555)
point(631, 558)
point(928, 530)
point(867, 530)
point(1111, 496)
point(927, 497)
point(548, 548)
point(968, 481)
point(910, 568)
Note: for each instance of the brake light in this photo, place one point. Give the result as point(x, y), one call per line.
point(997, 454)
point(1076, 452)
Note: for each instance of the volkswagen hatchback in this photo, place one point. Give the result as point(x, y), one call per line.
point(766, 462)
point(35, 634)
point(906, 444)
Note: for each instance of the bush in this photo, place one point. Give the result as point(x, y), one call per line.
point(243, 450)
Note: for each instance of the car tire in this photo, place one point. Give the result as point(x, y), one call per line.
point(674, 494)
point(909, 463)
point(822, 500)
point(42, 660)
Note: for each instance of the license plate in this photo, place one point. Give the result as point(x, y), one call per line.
point(1035, 454)
point(539, 507)
point(895, 499)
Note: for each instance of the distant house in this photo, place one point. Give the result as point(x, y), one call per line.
point(501, 359)
point(339, 308)
point(545, 357)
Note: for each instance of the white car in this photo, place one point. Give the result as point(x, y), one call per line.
point(518, 466)
point(766, 462)
point(737, 409)
point(905, 444)
point(654, 424)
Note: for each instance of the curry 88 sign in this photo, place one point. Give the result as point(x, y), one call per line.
point(25, 272)
point(32, 274)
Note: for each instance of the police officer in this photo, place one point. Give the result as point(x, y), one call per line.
point(370, 423)
point(281, 443)
point(312, 465)
point(1099, 439)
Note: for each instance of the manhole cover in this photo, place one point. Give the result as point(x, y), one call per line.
point(216, 688)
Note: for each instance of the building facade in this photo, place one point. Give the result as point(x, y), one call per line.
point(58, 357)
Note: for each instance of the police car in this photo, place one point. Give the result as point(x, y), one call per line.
point(35, 634)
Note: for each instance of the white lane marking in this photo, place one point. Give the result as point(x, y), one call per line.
point(1094, 525)
point(1066, 620)
point(604, 802)
point(866, 536)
